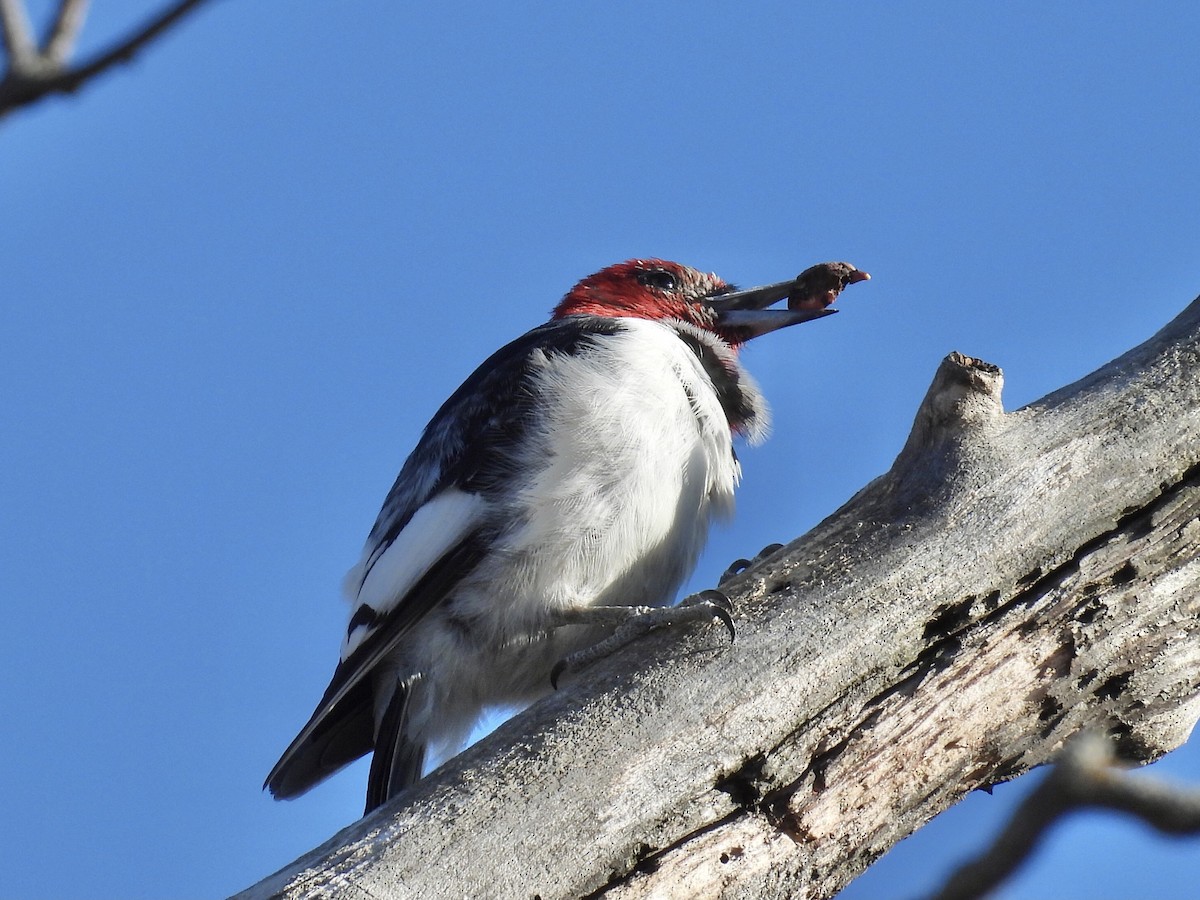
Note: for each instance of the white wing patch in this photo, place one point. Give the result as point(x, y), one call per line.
point(434, 528)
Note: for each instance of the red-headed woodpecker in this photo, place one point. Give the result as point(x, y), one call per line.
point(565, 487)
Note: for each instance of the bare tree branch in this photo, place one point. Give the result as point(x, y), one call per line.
point(34, 73)
point(1013, 579)
point(1083, 778)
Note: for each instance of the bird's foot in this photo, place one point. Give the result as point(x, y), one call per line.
point(634, 621)
point(738, 566)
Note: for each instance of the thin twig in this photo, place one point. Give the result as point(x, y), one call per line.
point(65, 32)
point(18, 33)
point(1083, 778)
point(35, 74)
point(124, 50)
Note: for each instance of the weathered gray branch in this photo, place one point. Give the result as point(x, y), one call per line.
point(33, 73)
point(1083, 777)
point(1012, 579)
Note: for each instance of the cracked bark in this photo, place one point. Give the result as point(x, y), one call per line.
point(1014, 578)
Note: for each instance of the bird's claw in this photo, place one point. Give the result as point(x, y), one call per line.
point(725, 616)
point(718, 604)
point(769, 550)
point(710, 597)
point(738, 566)
point(710, 604)
point(559, 668)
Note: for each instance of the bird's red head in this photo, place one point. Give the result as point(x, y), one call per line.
point(657, 289)
point(645, 289)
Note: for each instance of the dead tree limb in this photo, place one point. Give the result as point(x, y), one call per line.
point(34, 72)
point(1013, 579)
point(1084, 777)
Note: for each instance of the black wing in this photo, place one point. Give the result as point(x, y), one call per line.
point(470, 444)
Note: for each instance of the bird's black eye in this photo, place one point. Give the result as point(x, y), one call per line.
point(657, 278)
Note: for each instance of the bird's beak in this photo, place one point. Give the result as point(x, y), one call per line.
point(745, 313)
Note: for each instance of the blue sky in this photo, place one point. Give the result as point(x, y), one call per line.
point(241, 273)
